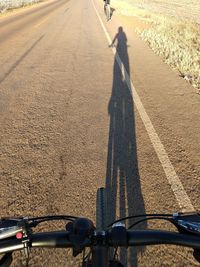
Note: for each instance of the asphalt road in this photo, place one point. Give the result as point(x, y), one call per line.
point(70, 122)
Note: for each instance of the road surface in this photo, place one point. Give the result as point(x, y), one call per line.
point(76, 114)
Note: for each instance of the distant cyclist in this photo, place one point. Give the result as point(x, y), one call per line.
point(107, 9)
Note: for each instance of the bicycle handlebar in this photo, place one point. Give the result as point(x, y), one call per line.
point(16, 234)
point(133, 238)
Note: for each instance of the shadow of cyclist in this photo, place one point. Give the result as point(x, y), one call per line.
point(122, 175)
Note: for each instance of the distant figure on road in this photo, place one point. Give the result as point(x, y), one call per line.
point(107, 9)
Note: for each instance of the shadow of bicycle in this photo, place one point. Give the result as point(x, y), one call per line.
point(122, 174)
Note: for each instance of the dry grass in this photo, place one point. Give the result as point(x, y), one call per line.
point(8, 9)
point(177, 41)
point(187, 9)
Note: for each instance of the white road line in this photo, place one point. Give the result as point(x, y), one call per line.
point(173, 179)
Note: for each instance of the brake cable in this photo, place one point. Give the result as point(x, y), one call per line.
point(148, 219)
point(38, 220)
point(139, 216)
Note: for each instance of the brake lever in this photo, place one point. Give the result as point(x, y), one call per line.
point(187, 222)
point(10, 227)
point(18, 228)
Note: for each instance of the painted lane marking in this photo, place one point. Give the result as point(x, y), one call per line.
point(173, 179)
